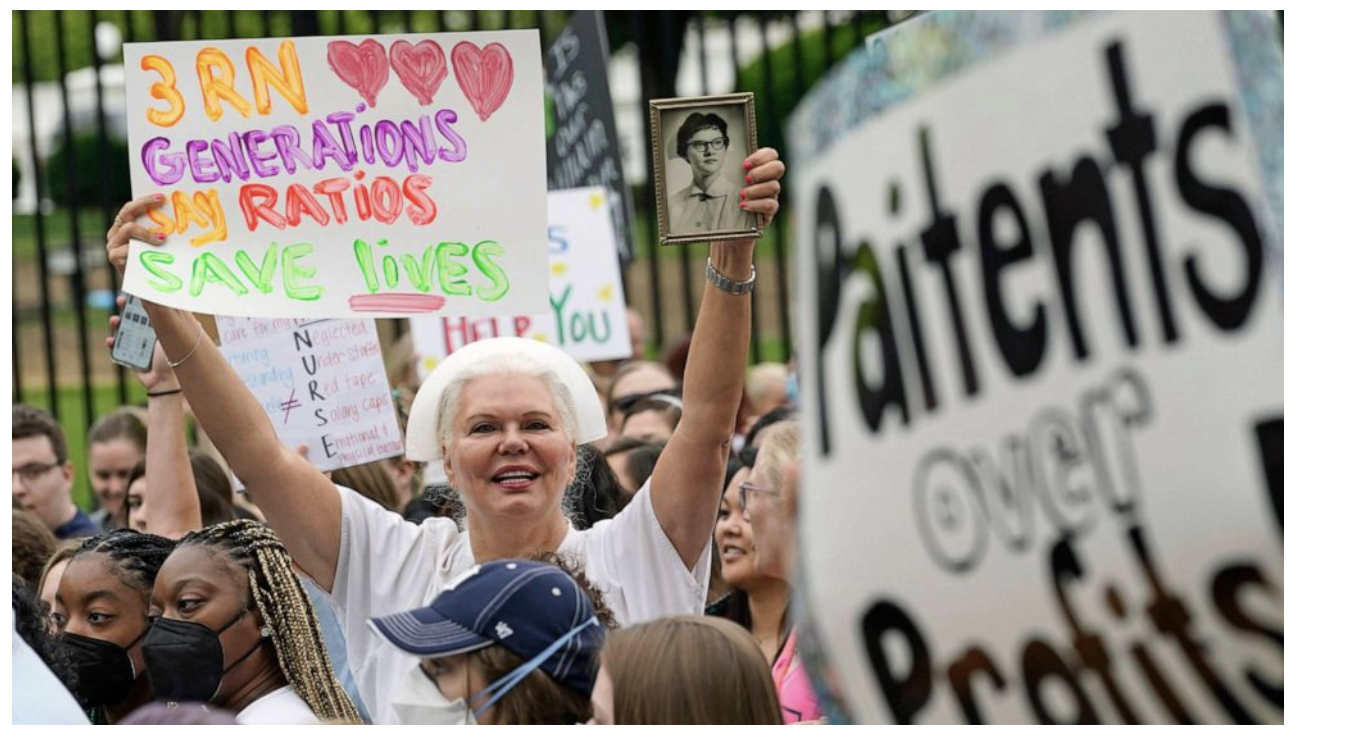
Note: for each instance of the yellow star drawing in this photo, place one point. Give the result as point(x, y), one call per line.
point(597, 200)
point(606, 292)
point(558, 268)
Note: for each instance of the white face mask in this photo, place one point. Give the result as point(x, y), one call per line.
point(418, 701)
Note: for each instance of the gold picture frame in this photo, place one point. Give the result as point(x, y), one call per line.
point(686, 130)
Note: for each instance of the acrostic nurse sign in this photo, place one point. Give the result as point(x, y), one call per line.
point(1043, 369)
point(342, 176)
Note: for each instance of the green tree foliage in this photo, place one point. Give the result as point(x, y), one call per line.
point(89, 173)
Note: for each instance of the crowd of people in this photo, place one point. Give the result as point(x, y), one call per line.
point(613, 543)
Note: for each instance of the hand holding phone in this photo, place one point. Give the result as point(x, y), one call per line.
point(134, 342)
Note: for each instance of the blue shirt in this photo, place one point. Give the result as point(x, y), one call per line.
point(79, 526)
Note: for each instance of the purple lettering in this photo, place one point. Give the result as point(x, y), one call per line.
point(203, 169)
point(343, 121)
point(458, 149)
point(287, 139)
point(418, 142)
point(389, 142)
point(165, 170)
point(253, 142)
point(230, 158)
point(326, 146)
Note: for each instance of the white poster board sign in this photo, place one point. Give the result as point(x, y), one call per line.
point(341, 176)
point(322, 383)
point(588, 316)
point(1043, 371)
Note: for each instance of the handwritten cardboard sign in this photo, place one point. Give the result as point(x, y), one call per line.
point(1044, 351)
point(322, 383)
point(329, 177)
point(583, 141)
point(588, 317)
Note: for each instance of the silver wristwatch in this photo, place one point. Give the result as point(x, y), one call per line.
point(726, 284)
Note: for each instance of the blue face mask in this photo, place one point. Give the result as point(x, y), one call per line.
point(792, 389)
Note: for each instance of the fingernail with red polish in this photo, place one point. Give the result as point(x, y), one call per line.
point(161, 237)
point(747, 164)
point(159, 196)
point(748, 181)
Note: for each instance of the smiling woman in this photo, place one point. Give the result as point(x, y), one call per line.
point(504, 418)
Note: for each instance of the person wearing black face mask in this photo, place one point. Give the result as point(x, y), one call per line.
point(233, 628)
point(103, 601)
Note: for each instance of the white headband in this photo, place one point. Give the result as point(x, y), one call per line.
point(424, 443)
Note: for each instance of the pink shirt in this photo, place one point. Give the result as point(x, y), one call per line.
point(795, 694)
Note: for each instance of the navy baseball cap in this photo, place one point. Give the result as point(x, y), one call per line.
point(527, 607)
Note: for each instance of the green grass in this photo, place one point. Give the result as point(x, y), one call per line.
point(71, 418)
point(56, 226)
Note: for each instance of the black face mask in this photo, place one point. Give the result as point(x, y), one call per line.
point(185, 660)
point(103, 670)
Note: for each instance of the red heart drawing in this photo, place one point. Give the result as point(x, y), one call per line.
point(485, 75)
point(365, 68)
point(421, 68)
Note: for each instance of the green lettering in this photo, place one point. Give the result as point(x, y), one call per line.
point(210, 268)
point(367, 263)
point(451, 272)
point(292, 273)
point(483, 252)
point(166, 281)
point(260, 276)
point(558, 312)
point(390, 271)
point(420, 275)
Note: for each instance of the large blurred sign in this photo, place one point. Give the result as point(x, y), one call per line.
point(583, 142)
point(588, 317)
point(1043, 369)
point(344, 176)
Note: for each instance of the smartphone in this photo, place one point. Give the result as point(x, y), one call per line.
point(134, 343)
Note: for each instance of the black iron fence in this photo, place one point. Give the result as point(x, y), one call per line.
point(70, 160)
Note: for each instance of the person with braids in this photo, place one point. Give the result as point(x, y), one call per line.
point(233, 628)
point(504, 418)
point(102, 603)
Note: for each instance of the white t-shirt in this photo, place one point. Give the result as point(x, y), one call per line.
point(387, 565)
point(281, 707)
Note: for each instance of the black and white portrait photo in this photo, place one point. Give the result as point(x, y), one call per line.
point(699, 146)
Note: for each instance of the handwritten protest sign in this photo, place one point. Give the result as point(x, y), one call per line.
point(1043, 346)
point(583, 142)
point(322, 383)
point(328, 177)
point(589, 317)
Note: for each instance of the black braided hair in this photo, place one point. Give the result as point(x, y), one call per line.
point(137, 556)
point(286, 612)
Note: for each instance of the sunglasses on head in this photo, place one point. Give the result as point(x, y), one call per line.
point(623, 403)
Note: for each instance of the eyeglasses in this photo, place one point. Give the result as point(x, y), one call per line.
point(623, 403)
point(33, 471)
point(745, 490)
point(716, 145)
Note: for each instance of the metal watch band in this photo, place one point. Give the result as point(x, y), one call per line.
point(726, 284)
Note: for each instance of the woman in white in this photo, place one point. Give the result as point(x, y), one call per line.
point(504, 418)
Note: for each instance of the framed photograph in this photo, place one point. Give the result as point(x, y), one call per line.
point(698, 145)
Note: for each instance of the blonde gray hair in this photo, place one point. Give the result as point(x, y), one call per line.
point(508, 364)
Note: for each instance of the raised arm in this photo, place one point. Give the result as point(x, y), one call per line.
point(298, 501)
point(171, 503)
point(687, 482)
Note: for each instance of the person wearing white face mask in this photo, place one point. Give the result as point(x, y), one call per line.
point(511, 642)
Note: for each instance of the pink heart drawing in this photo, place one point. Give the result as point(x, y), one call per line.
point(421, 68)
point(365, 68)
point(485, 75)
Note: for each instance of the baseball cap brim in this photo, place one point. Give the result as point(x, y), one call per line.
point(427, 633)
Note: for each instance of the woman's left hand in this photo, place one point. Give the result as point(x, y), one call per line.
point(763, 170)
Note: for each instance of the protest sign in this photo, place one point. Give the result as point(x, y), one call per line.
point(1043, 369)
point(583, 142)
point(322, 383)
point(588, 318)
point(329, 177)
